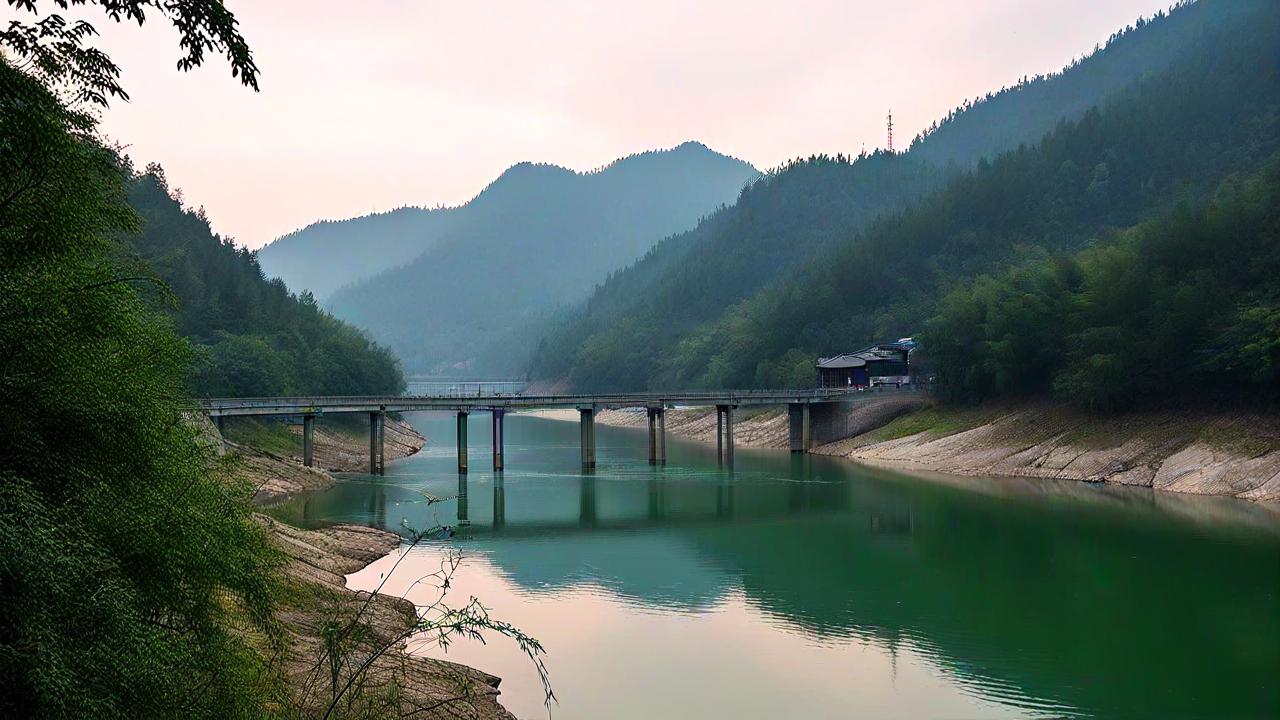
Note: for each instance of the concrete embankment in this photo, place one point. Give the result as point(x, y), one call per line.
point(1236, 455)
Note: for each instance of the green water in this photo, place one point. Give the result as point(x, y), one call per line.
point(802, 586)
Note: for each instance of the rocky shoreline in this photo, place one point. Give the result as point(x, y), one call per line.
point(279, 477)
point(395, 682)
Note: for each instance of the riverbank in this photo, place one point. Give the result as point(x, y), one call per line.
point(271, 452)
point(1194, 452)
point(1234, 455)
point(389, 681)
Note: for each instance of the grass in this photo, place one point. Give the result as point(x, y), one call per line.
point(1240, 437)
point(273, 436)
point(935, 420)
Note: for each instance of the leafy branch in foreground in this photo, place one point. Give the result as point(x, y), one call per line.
point(54, 49)
point(360, 673)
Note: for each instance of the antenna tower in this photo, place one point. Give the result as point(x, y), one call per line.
point(891, 130)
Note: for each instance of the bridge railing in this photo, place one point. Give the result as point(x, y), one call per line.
point(639, 399)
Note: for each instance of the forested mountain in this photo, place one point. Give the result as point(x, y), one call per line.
point(539, 237)
point(252, 335)
point(1173, 132)
point(1184, 304)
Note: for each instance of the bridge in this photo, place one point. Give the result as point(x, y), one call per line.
point(801, 404)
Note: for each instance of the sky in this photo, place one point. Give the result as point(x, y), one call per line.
point(374, 105)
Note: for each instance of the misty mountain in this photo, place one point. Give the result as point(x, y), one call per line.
point(538, 238)
point(655, 322)
point(327, 254)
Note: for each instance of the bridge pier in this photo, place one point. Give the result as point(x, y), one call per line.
point(799, 428)
point(498, 414)
point(308, 439)
point(464, 517)
point(724, 435)
point(462, 442)
point(657, 435)
point(587, 429)
point(377, 422)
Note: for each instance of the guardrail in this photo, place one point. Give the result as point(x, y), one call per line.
point(482, 400)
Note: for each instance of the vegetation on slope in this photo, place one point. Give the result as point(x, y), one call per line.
point(1187, 302)
point(132, 575)
point(674, 316)
point(1172, 136)
point(252, 335)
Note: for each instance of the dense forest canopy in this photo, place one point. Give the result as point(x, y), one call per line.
point(1172, 134)
point(1186, 303)
point(252, 335)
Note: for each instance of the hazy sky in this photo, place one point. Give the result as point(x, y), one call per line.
point(378, 104)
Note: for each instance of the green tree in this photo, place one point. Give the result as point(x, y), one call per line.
point(125, 556)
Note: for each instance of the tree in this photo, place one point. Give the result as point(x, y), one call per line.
point(55, 50)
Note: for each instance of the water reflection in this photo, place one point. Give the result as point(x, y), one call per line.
point(1050, 598)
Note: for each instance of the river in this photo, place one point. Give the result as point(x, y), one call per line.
point(805, 586)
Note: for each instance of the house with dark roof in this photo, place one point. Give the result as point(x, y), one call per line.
point(880, 364)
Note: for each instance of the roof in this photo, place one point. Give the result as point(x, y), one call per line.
point(882, 352)
point(841, 362)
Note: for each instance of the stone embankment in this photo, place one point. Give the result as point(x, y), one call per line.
point(1186, 452)
point(1204, 454)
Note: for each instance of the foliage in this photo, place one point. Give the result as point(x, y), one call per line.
point(126, 556)
point(1186, 302)
point(829, 255)
point(1171, 136)
point(53, 49)
point(634, 320)
point(349, 678)
point(253, 336)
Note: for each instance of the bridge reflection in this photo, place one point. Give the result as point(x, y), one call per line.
point(1004, 590)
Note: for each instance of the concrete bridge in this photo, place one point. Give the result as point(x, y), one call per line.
point(805, 407)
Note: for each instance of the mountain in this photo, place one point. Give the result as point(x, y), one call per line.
point(538, 238)
point(328, 254)
point(253, 337)
point(658, 322)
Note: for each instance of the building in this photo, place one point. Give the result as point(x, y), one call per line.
point(881, 364)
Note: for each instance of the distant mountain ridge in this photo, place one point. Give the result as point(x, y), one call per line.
point(476, 277)
point(329, 254)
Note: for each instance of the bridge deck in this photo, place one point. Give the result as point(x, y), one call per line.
point(228, 407)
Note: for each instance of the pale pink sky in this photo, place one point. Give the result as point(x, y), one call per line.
point(384, 103)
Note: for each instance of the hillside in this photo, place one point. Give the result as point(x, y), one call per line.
point(539, 237)
point(830, 277)
point(252, 336)
point(328, 254)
